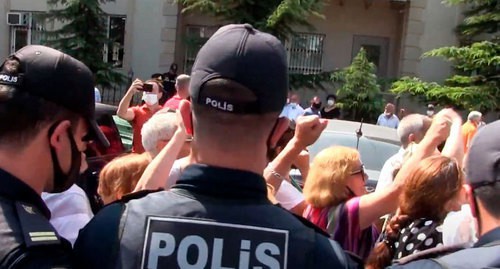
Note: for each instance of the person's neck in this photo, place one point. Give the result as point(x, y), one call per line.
point(487, 222)
point(239, 159)
point(28, 165)
point(154, 107)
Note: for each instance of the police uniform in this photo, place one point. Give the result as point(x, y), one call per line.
point(212, 218)
point(27, 238)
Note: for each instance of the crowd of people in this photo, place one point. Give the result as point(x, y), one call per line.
point(208, 182)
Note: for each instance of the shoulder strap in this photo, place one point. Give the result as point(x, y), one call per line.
point(38, 234)
point(36, 229)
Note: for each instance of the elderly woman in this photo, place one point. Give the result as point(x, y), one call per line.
point(335, 193)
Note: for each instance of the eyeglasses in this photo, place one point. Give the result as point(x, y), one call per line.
point(359, 171)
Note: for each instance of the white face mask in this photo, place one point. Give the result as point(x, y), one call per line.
point(150, 99)
point(330, 102)
point(430, 112)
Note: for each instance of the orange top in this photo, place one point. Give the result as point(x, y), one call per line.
point(142, 114)
point(469, 129)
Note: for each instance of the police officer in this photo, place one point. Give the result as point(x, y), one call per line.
point(483, 186)
point(218, 215)
point(46, 116)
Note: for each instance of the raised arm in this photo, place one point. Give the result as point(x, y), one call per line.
point(454, 146)
point(307, 131)
point(374, 205)
point(124, 111)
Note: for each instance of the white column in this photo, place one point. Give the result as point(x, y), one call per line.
point(168, 34)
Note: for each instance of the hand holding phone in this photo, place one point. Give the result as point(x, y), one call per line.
point(147, 87)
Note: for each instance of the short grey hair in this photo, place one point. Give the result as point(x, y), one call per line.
point(161, 126)
point(182, 80)
point(411, 124)
point(474, 115)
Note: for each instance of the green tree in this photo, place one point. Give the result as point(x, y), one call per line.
point(273, 16)
point(83, 36)
point(360, 95)
point(475, 84)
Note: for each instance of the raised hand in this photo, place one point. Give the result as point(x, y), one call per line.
point(308, 129)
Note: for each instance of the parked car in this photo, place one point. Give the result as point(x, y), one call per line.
point(376, 144)
point(98, 155)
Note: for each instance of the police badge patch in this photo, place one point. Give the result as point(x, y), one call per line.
point(186, 243)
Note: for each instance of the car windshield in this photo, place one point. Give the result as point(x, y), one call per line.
point(374, 153)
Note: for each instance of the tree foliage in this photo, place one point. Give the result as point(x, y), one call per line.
point(475, 84)
point(359, 97)
point(83, 36)
point(273, 16)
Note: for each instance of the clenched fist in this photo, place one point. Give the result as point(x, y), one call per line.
point(308, 129)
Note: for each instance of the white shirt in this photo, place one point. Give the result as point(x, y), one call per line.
point(175, 174)
point(391, 122)
point(288, 196)
point(292, 111)
point(386, 174)
point(70, 211)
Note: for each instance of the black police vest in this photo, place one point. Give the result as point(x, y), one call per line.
point(27, 237)
point(177, 229)
point(487, 256)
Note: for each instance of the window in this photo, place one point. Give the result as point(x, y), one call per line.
point(305, 53)
point(29, 32)
point(114, 51)
point(377, 51)
point(196, 36)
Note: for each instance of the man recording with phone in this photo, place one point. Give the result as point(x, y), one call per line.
point(152, 91)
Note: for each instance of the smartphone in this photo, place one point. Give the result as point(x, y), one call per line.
point(147, 88)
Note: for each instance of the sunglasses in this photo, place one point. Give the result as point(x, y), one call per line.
point(359, 171)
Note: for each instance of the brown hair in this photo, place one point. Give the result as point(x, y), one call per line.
point(157, 82)
point(434, 182)
point(326, 181)
point(120, 176)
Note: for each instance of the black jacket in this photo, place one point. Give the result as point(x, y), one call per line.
point(27, 238)
point(212, 218)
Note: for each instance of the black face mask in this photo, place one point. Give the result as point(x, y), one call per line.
point(63, 181)
point(316, 105)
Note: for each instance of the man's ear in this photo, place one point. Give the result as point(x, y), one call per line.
point(411, 138)
point(282, 124)
point(470, 198)
point(187, 119)
point(58, 131)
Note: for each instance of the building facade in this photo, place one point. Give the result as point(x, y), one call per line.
point(152, 34)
